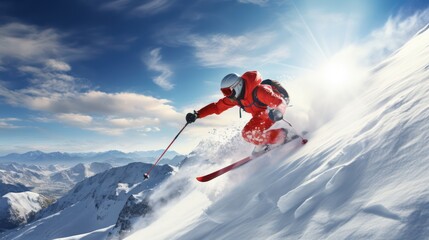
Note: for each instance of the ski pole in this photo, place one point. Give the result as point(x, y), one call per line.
point(303, 140)
point(146, 175)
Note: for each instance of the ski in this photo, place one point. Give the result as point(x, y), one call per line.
point(226, 169)
point(237, 164)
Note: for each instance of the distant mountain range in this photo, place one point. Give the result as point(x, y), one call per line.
point(52, 181)
point(114, 157)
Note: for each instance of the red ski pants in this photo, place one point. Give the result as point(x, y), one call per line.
point(255, 130)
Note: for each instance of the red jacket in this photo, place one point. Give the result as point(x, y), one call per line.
point(252, 80)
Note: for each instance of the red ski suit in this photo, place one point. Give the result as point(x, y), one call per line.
point(255, 130)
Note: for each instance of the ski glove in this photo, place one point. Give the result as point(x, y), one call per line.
point(191, 117)
point(275, 115)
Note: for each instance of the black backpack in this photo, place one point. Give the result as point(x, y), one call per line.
point(277, 88)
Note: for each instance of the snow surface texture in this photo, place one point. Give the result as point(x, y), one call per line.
point(363, 174)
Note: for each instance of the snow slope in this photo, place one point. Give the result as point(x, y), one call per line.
point(363, 175)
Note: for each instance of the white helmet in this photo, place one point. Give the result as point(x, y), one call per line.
point(231, 85)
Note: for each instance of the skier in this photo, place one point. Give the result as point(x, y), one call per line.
point(266, 106)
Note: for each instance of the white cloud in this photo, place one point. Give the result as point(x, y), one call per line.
point(250, 49)
point(113, 126)
point(135, 7)
point(154, 63)
point(107, 130)
point(57, 65)
point(133, 122)
point(45, 81)
point(119, 126)
point(31, 44)
point(96, 110)
point(6, 123)
point(153, 7)
point(94, 103)
point(75, 119)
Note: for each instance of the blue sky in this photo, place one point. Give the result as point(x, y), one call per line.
point(97, 75)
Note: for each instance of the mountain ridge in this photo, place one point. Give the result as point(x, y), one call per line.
point(39, 157)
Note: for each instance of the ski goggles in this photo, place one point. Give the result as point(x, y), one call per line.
point(230, 91)
point(227, 92)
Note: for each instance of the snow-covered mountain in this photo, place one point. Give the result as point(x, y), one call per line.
point(36, 157)
point(79, 172)
point(92, 208)
point(113, 157)
point(53, 180)
point(18, 204)
point(18, 208)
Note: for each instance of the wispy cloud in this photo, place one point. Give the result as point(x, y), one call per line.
point(49, 79)
point(153, 7)
point(75, 119)
point(257, 2)
point(154, 62)
point(395, 32)
point(382, 42)
point(137, 8)
point(57, 65)
point(7, 123)
point(133, 122)
point(249, 49)
point(31, 44)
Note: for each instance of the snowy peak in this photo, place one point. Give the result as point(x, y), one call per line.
point(39, 157)
point(53, 180)
point(80, 172)
point(114, 157)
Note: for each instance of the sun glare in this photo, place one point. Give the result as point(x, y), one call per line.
point(336, 74)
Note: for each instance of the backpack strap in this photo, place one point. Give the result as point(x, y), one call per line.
point(241, 106)
point(256, 101)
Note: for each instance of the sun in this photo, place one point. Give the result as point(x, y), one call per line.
point(335, 73)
